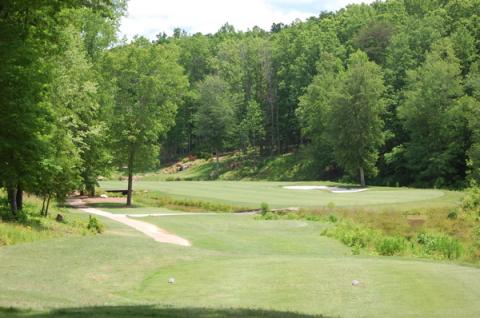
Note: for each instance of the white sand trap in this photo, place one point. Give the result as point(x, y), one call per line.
point(331, 189)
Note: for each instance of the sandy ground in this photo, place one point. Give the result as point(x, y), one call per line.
point(148, 229)
point(331, 189)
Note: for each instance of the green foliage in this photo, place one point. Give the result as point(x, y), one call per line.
point(441, 246)
point(433, 120)
point(214, 118)
point(358, 236)
point(389, 245)
point(29, 226)
point(148, 88)
point(471, 200)
point(356, 124)
point(332, 218)
point(264, 208)
point(94, 225)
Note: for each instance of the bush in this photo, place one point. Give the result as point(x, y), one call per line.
point(471, 200)
point(292, 216)
point(442, 246)
point(270, 216)
point(264, 208)
point(390, 245)
point(313, 218)
point(332, 218)
point(94, 225)
point(452, 215)
point(352, 235)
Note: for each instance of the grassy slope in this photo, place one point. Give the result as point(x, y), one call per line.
point(33, 227)
point(235, 262)
point(244, 193)
point(291, 166)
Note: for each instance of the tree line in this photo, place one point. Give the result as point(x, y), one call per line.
point(388, 91)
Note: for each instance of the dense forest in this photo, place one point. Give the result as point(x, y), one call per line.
point(388, 91)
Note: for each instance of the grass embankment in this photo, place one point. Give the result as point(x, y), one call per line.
point(286, 167)
point(29, 226)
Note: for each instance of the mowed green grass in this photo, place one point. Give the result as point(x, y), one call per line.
point(237, 267)
point(252, 194)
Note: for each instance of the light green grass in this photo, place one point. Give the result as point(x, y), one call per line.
point(235, 262)
point(252, 194)
point(32, 227)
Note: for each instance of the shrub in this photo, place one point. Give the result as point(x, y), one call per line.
point(332, 218)
point(264, 208)
point(390, 245)
point(452, 215)
point(270, 216)
point(441, 245)
point(94, 225)
point(352, 235)
point(313, 218)
point(471, 200)
point(292, 216)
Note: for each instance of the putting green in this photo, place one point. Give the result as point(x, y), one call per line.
point(235, 262)
point(252, 194)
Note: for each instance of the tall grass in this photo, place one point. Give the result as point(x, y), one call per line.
point(29, 226)
point(434, 232)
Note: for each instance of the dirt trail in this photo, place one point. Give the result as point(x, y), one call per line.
point(148, 229)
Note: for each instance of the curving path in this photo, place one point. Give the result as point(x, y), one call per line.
point(148, 229)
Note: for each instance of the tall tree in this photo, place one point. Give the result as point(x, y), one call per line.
point(435, 151)
point(252, 128)
point(356, 125)
point(314, 109)
point(149, 84)
point(214, 121)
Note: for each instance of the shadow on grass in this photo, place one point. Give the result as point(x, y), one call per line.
point(150, 311)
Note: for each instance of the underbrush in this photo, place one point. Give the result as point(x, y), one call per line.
point(442, 233)
point(155, 199)
point(29, 226)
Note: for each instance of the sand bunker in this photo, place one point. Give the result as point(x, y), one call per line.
point(331, 189)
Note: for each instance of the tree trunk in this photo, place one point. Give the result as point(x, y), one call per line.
point(362, 177)
point(42, 211)
point(48, 204)
point(19, 198)
point(91, 190)
point(254, 152)
point(12, 199)
point(130, 180)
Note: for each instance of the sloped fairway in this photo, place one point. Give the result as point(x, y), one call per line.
point(244, 193)
point(237, 267)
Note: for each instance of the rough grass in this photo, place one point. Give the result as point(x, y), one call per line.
point(432, 231)
point(30, 226)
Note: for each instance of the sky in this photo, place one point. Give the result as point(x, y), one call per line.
point(150, 17)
